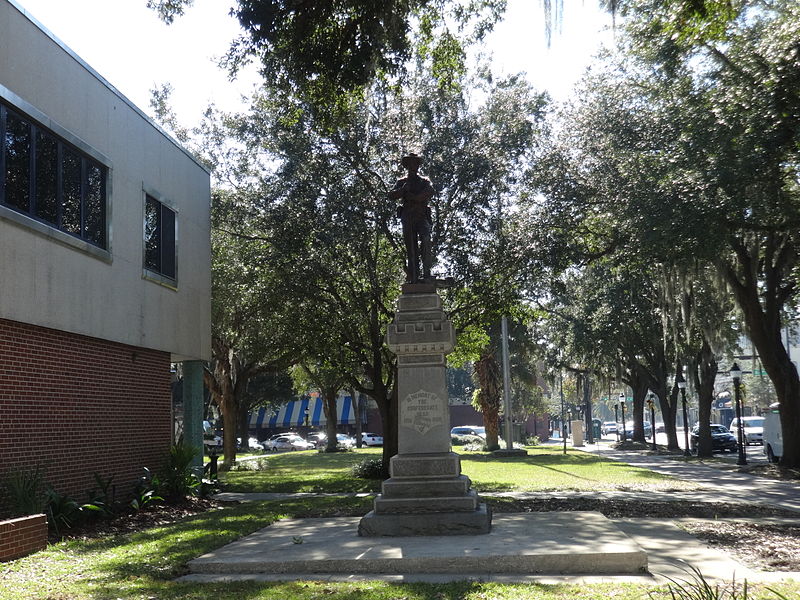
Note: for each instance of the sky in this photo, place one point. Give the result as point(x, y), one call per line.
point(134, 51)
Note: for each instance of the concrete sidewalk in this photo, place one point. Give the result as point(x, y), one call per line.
point(718, 485)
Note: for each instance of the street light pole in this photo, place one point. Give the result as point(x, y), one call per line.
point(652, 406)
point(681, 382)
point(622, 404)
point(563, 422)
point(616, 419)
point(736, 374)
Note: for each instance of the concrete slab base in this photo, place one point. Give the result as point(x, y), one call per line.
point(473, 522)
point(575, 543)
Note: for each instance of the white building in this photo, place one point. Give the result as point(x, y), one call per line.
point(104, 264)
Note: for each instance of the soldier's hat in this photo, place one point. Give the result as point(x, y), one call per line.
point(411, 157)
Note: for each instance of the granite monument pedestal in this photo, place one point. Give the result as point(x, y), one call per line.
point(426, 493)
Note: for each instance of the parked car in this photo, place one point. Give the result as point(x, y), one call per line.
point(773, 434)
point(752, 430)
point(660, 428)
point(318, 438)
point(648, 429)
point(469, 430)
point(609, 427)
point(345, 441)
point(287, 442)
point(252, 443)
point(722, 440)
point(371, 439)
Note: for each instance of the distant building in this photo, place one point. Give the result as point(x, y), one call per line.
point(105, 269)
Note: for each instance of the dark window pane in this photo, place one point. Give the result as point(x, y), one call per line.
point(46, 177)
point(71, 198)
point(152, 234)
point(95, 205)
point(167, 242)
point(18, 162)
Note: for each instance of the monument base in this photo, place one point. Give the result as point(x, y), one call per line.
point(433, 523)
point(426, 495)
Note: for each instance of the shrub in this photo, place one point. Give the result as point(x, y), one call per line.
point(177, 479)
point(62, 511)
point(476, 446)
point(259, 464)
point(466, 440)
point(533, 440)
point(370, 468)
point(24, 490)
point(145, 492)
point(102, 499)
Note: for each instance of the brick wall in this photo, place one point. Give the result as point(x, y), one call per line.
point(78, 405)
point(20, 537)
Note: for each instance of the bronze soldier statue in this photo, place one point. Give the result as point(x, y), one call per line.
point(415, 191)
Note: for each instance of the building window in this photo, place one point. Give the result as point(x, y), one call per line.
point(159, 238)
point(44, 177)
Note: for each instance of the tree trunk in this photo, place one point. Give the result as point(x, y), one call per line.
point(704, 373)
point(331, 419)
point(387, 407)
point(764, 327)
point(358, 407)
point(639, 395)
point(243, 426)
point(487, 370)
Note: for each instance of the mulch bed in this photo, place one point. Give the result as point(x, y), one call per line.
point(760, 546)
point(636, 509)
point(152, 516)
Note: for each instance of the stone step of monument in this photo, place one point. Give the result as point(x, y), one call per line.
point(465, 503)
point(576, 543)
point(418, 488)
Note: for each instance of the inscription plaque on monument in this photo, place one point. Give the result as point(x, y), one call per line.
point(422, 411)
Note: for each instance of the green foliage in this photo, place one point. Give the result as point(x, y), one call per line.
point(369, 468)
point(467, 440)
point(177, 478)
point(62, 511)
point(329, 53)
point(533, 440)
point(102, 499)
point(24, 491)
point(145, 492)
point(697, 587)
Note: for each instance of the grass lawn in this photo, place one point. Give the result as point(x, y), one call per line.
point(545, 468)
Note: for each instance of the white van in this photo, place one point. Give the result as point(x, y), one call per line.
point(773, 436)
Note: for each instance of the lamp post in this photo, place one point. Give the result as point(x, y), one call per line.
point(305, 420)
point(622, 405)
point(616, 419)
point(652, 406)
point(563, 422)
point(736, 374)
point(681, 383)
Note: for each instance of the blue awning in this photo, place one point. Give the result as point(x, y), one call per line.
point(292, 414)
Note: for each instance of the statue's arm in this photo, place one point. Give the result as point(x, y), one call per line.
point(397, 191)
